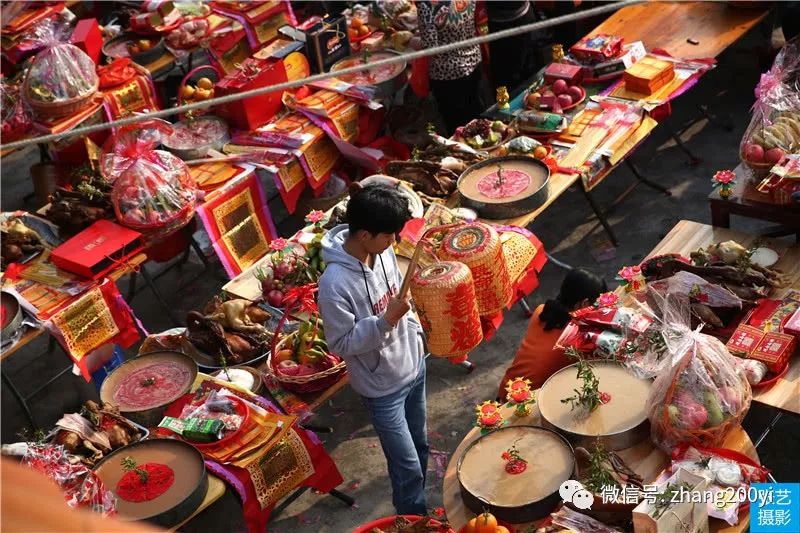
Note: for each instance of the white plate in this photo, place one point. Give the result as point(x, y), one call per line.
point(414, 201)
point(764, 257)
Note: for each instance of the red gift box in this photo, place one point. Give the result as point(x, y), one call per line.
point(250, 113)
point(774, 350)
point(260, 20)
point(597, 48)
point(97, 250)
point(572, 74)
point(88, 38)
point(744, 340)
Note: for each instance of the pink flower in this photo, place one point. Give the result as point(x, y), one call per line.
point(278, 244)
point(607, 299)
point(605, 397)
point(628, 273)
point(315, 216)
point(724, 177)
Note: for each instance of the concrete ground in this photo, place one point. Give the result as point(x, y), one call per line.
point(568, 231)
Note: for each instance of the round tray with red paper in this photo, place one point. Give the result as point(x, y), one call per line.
point(230, 436)
point(388, 521)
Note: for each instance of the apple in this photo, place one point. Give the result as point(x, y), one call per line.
point(290, 368)
point(564, 100)
point(575, 92)
point(773, 155)
point(305, 370)
point(275, 298)
point(693, 415)
point(753, 152)
point(559, 87)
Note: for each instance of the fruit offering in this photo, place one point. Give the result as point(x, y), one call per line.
point(558, 97)
point(61, 71)
point(304, 352)
point(141, 45)
point(152, 189)
point(483, 134)
point(358, 29)
point(484, 523)
point(700, 398)
point(189, 34)
point(202, 90)
point(289, 266)
point(770, 143)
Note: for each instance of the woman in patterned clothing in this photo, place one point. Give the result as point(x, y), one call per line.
point(454, 76)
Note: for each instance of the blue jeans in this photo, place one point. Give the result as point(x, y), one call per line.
point(400, 421)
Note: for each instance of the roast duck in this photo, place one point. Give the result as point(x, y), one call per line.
point(234, 329)
point(725, 265)
point(429, 178)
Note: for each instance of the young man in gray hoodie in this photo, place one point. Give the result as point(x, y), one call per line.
point(379, 339)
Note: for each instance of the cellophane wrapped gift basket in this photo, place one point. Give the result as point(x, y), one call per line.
point(62, 78)
point(774, 129)
point(702, 394)
point(153, 191)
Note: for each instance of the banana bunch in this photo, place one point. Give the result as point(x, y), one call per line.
point(783, 133)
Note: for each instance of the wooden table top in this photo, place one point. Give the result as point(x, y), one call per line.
point(668, 25)
point(644, 458)
point(688, 236)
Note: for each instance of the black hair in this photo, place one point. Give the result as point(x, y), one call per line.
point(376, 209)
point(578, 285)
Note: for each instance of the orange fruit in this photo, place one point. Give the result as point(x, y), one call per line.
point(540, 152)
point(472, 526)
point(187, 92)
point(356, 23)
point(362, 31)
point(284, 355)
point(205, 83)
point(202, 94)
point(486, 523)
point(501, 529)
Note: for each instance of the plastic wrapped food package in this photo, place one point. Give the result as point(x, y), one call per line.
point(16, 116)
point(61, 71)
point(81, 486)
point(702, 393)
point(774, 129)
point(152, 189)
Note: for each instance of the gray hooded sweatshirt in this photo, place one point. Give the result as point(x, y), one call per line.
point(352, 299)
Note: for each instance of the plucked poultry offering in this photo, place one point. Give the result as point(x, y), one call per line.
point(233, 330)
point(97, 430)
